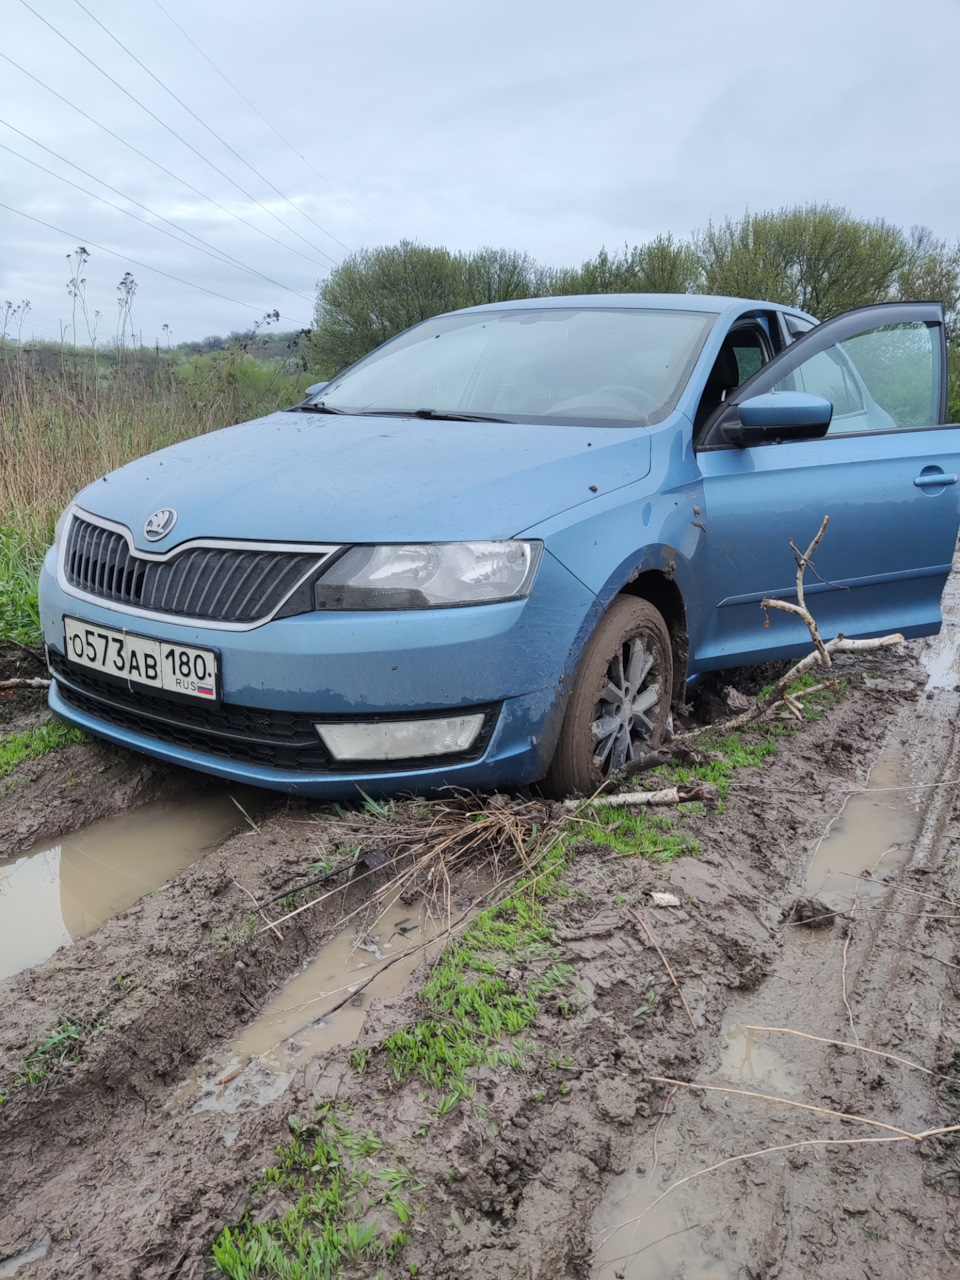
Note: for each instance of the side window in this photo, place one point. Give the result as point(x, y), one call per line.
point(881, 380)
point(743, 352)
point(828, 374)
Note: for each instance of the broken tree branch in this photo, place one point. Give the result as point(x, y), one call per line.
point(24, 682)
point(820, 655)
point(680, 794)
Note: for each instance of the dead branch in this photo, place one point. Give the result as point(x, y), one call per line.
point(789, 1102)
point(800, 608)
point(845, 1044)
point(666, 965)
point(820, 655)
point(23, 682)
point(680, 794)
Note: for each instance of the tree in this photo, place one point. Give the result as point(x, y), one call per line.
point(375, 293)
point(815, 257)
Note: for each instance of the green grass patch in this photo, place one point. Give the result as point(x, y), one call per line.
point(32, 743)
point(19, 570)
point(639, 835)
point(351, 1207)
point(59, 1046)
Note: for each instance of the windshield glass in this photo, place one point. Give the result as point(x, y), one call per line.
point(563, 363)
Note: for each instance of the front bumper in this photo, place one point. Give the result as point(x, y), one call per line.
point(507, 660)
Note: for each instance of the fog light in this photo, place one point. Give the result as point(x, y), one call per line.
point(401, 739)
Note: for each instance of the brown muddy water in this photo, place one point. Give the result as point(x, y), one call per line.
point(322, 1007)
point(55, 894)
point(644, 1230)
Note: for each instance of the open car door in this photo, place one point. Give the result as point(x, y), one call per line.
point(884, 470)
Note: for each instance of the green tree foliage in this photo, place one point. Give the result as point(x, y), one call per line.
point(664, 265)
point(375, 293)
point(816, 257)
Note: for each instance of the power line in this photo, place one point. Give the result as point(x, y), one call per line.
point(163, 124)
point(166, 88)
point(72, 235)
point(266, 121)
point(211, 251)
point(150, 160)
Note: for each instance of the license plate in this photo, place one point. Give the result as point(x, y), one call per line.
point(155, 664)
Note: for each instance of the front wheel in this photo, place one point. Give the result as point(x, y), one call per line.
point(620, 705)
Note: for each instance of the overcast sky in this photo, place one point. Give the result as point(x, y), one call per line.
point(547, 126)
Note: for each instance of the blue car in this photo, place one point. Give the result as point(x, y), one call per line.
point(498, 548)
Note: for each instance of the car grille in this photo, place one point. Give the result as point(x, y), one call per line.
point(207, 583)
point(250, 735)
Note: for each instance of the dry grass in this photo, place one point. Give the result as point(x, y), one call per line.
point(67, 417)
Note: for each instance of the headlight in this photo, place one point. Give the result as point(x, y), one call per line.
point(429, 575)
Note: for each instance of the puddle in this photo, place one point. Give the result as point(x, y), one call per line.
point(638, 1239)
point(874, 833)
point(57, 893)
point(322, 1007)
point(11, 1266)
point(688, 1234)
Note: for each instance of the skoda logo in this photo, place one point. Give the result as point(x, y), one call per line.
point(159, 524)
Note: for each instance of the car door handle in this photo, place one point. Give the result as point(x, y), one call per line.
point(934, 480)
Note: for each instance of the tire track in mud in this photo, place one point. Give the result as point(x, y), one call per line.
point(881, 974)
point(123, 1181)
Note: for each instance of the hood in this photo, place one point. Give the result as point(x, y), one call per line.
point(303, 477)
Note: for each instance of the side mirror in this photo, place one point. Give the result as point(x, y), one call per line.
point(312, 391)
point(779, 415)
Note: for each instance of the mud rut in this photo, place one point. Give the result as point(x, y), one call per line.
point(125, 1164)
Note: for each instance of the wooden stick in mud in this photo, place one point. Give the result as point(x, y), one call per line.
point(23, 682)
point(669, 795)
point(666, 965)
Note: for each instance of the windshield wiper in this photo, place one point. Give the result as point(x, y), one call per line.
point(314, 407)
point(438, 415)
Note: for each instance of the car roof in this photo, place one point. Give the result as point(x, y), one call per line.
point(711, 303)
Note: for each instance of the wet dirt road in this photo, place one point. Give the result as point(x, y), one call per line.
point(865, 943)
point(820, 901)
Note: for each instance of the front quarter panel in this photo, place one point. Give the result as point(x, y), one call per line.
point(652, 525)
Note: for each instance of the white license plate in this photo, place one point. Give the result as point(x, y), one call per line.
point(156, 664)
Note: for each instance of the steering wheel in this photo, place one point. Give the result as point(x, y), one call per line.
point(636, 396)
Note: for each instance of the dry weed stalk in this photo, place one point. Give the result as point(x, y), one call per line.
point(456, 831)
point(666, 965)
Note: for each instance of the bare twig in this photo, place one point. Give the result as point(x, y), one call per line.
point(257, 907)
point(800, 608)
point(32, 653)
point(843, 974)
point(25, 682)
point(666, 965)
point(656, 1133)
point(845, 1044)
point(786, 1102)
point(786, 1146)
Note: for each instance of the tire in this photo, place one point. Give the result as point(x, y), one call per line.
point(615, 714)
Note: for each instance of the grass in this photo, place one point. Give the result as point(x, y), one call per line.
point(60, 1045)
point(68, 416)
point(19, 569)
point(351, 1205)
point(487, 990)
point(15, 748)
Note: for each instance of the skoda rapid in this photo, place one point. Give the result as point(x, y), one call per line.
point(495, 550)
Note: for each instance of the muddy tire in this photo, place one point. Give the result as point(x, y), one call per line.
point(620, 705)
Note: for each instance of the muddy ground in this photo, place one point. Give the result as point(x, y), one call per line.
point(115, 1165)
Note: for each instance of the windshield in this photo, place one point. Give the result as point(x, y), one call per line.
point(563, 363)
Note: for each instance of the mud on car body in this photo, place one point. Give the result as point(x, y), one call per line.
point(494, 550)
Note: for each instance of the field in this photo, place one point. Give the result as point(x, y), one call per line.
point(249, 1036)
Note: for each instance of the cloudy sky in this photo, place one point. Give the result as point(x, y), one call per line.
point(243, 148)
